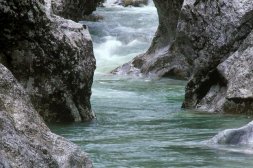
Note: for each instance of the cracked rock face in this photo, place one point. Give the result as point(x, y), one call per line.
point(233, 93)
point(25, 139)
point(207, 42)
point(50, 56)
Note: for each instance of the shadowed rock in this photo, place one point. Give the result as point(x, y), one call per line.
point(74, 10)
point(232, 92)
point(50, 56)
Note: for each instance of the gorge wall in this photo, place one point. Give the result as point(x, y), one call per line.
point(50, 56)
point(207, 42)
point(46, 67)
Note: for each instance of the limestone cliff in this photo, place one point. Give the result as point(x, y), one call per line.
point(50, 56)
point(46, 66)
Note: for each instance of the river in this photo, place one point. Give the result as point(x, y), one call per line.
point(140, 122)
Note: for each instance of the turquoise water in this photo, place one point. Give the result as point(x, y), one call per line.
point(140, 122)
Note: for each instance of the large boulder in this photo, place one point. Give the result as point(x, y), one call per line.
point(25, 139)
point(50, 56)
point(193, 41)
point(74, 10)
point(231, 88)
point(216, 31)
point(238, 136)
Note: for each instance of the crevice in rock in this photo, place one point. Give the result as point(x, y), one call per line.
point(213, 78)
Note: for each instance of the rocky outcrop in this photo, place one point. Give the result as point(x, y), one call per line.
point(74, 10)
point(212, 86)
point(240, 136)
point(136, 3)
point(153, 62)
point(232, 91)
point(51, 57)
point(206, 42)
point(25, 139)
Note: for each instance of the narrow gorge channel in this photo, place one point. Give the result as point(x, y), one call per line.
point(140, 122)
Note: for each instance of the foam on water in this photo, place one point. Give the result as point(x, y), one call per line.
point(123, 34)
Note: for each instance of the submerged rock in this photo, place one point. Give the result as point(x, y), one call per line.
point(50, 56)
point(25, 139)
point(240, 136)
point(207, 42)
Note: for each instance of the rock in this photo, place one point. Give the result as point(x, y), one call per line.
point(93, 18)
point(199, 40)
point(240, 136)
point(136, 3)
point(219, 30)
point(156, 61)
point(75, 10)
point(25, 139)
point(50, 56)
point(232, 92)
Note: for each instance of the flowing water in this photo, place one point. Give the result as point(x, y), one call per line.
point(140, 122)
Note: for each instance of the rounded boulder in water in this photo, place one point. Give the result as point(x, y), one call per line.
point(136, 3)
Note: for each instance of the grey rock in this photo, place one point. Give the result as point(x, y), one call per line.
point(136, 3)
point(74, 10)
point(239, 136)
point(26, 141)
point(50, 56)
point(233, 93)
point(219, 30)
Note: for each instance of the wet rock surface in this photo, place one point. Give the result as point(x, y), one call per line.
point(74, 10)
point(224, 34)
point(25, 139)
point(239, 136)
point(136, 3)
point(50, 56)
point(206, 42)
